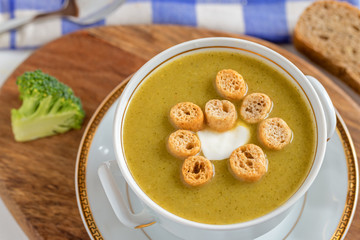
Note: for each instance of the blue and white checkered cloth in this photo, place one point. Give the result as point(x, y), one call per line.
point(272, 20)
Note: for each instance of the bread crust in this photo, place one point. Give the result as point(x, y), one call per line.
point(220, 114)
point(197, 170)
point(230, 84)
point(183, 144)
point(248, 163)
point(328, 33)
point(188, 116)
point(274, 133)
point(255, 107)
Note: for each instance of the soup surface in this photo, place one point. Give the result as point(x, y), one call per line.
point(225, 200)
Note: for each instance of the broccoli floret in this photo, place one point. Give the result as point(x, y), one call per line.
point(48, 107)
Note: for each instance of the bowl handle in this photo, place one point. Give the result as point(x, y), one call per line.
point(329, 110)
point(117, 202)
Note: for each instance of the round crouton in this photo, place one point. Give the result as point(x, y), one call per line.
point(183, 144)
point(197, 170)
point(230, 84)
point(255, 107)
point(274, 133)
point(187, 115)
point(220, 114)
point(248, 163)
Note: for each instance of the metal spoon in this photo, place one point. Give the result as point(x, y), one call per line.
point(70, 10)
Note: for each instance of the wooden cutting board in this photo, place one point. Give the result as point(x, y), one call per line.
point(37, 178)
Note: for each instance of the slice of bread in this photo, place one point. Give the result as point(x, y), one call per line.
point(274, 133)
point(230, 84)
point(183, 144)
point(197, 170)
point(255, 107)
point(187, 115)
point(220, 114)
point(248, 163)
point(328, 32)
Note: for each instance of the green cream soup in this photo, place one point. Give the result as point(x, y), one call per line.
point(225, 200)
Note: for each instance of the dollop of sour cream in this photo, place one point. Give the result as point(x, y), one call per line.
point(220, 145)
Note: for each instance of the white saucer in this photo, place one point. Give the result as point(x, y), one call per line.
point(325, 212)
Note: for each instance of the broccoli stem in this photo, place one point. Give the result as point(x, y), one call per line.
point(33, 127)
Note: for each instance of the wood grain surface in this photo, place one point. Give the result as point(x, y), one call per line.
point(37, 177)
